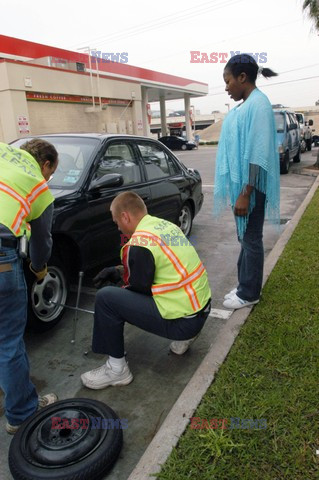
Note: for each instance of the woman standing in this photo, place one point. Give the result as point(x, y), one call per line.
point(247, 173)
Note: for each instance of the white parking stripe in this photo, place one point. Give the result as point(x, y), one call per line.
point(219, 313)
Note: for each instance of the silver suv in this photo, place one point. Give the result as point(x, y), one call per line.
point(288, 137)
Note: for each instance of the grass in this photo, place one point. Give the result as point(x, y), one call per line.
point(271, 373)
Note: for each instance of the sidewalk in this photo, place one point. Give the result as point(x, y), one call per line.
point(201, 451)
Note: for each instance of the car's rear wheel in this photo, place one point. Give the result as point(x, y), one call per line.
point(46, 297)
point(72, 439)
point(185, 218)
point(284, 166)
point(183, 147)
point(297, 157)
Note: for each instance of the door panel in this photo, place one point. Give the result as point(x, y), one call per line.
point(166, 180)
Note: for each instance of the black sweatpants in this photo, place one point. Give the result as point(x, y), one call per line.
point(114, 306)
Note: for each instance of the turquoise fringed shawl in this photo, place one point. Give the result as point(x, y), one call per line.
point(248, 155)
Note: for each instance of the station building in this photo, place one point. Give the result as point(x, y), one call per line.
point(45, 89)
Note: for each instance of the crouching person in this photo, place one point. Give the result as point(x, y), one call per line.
point(165, 292)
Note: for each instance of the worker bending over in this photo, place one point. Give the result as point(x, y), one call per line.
point(26, 209)
point(165, 292)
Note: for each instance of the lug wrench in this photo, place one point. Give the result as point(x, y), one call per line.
point(76, 308)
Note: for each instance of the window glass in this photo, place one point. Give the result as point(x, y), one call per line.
point(120, 158)
point(292, 119)
point(74, 155)
point(280, 121)
point(287, 120)
point(155, 160)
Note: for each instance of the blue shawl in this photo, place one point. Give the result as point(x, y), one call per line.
point(248, 155)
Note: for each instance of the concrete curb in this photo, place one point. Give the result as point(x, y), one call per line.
point(176, 421)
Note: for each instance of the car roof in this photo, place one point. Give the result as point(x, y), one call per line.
point(100, 136)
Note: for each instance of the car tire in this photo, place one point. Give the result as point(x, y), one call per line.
point(296, 158)
point(184, 147)
point(303, 146)
point(284, 166)
point(40, 452)
point(43, 315)
point(185, 219)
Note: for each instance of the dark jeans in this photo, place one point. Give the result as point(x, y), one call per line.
point(114, 306)
point(250, 265)
point(20, 396)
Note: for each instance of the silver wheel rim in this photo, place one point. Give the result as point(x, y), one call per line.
point(51, 288)
point(185, 219)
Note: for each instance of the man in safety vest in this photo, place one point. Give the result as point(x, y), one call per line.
point(26, 206)
point(166, 290)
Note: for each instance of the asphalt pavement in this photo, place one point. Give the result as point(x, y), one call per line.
point(159, 376)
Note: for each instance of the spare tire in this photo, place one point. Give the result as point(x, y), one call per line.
point(51, 446)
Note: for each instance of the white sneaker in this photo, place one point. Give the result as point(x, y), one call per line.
point(230, 294)
point(43, 401)
point(235, 303)
point(181, 346)
point(46, 400)
point(104, 376)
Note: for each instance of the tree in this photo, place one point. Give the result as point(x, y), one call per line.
point(311, 7)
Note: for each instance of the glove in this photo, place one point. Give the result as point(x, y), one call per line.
point(41, 274)
point(108, 274)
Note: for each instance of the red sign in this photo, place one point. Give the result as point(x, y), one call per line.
point(176, 125)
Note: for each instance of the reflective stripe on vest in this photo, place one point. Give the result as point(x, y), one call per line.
point(187, 279)
point(24, 202)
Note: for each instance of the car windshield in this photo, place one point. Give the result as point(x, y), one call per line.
point(74, 154)
point(280, 122)
point(300, 118)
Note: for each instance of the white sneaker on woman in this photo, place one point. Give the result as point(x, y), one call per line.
point(230, 294)
point(235, 303)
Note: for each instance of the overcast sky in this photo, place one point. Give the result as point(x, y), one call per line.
point(161, 35)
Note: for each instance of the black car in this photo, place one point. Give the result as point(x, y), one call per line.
point(92, 169)
point(315, 140)
point(177, 143)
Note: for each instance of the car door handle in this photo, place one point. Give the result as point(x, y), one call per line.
point(145, 197)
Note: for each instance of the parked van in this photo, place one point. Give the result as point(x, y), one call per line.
point(288, 137)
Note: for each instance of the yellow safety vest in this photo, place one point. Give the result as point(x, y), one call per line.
point(24, 193)
point(180, 287)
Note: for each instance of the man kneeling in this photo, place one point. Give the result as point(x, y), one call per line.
point(165, 292)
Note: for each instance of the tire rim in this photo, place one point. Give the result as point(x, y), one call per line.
point(185, 220)
point(52, 288)
point(50, 444)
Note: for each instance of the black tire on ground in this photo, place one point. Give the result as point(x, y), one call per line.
point(43, 315)
point(185, 219)
point(40, 452)
point(284, 166)
point(183, 147)
point(296, 158)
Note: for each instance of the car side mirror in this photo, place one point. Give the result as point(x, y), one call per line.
point(107, 181)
